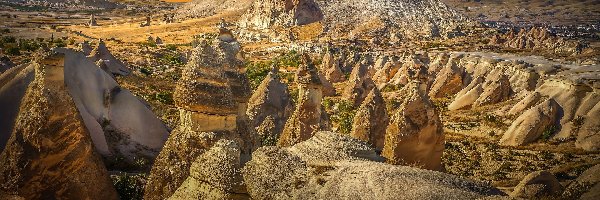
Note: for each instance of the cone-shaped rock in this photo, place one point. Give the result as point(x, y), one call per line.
point(359, 85)
point(113, 65)
point(268, 109)
point(371, 120)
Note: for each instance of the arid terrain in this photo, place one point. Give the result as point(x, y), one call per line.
point(300, 99)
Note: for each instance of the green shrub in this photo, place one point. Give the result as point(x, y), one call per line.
point(548, 132)
point(130, 187)
point(12, 50)
point(256, 72)
point(343, 116)
point(164, 97)
point(145, 71)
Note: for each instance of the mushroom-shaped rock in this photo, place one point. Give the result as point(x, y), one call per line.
point(114, 65)
point(536, 185)
point(215, 175)
point(415, 135)
point(371, 120)
point(531, 124)
point(309, 117)
point(50, 154)
point(268, 109)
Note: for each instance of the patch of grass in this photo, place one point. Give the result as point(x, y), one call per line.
point(256, 72)
point(164, 97)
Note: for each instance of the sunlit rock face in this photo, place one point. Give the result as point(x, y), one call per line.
point(108, 62)
point(268, 109)
point(390, 19)
point(120, 125)
point(359, 85)
point(371, 120)
point(264, 14)
point(50, 153)
point(531, 124)
point(211, 97)
point(415, 136)
point(215, 174)
point(309, 116)
point(332, 166)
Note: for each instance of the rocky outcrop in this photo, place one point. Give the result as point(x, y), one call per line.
point(209, 111)
point(113, 65)
point(215, 175)
point(204, 8)
point(330, 67)
point(530, 126)
point(585, 186)
point(415, 135)
point(86, 48)
point(492, 89)
point(14, 83)
point(526, 103)
point(371, 120)
point(449, 80)
point(50, 154)
point(265, 14)
point(537, 38)
point(390, 19)
point(537, 185)
point(309, 116)
point(5, 63)
point(333, 166)
point(359, 85)
point(269, 108)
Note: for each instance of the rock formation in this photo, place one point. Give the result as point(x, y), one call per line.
point(414, 135)
point(5, 63)
point(269, 108)
point(585, 186)
point(537, 185)
point(449, 80)
point(268, 13)
point(203, 8)
point(50, 154)
point(537, 38)
point(120, 125)
point(93, 20)
point(390, 19)
point(309, 117)
point(113, 65)
point(371, 120)
point(209, 111)
point(331, 68)
point(359, 85)
point(215, 175)
point(532, 124)
point(333, 166)
point(492, 89)
point(86, 48)
point(14, 83)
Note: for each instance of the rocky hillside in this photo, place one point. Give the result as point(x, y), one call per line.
point(202, 8)
point(69, 3)
point(405, 18)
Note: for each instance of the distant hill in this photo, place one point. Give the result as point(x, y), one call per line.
point(531, 11)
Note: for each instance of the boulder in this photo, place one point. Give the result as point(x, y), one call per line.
point(215, 175)
point(334, 166)
point(537, 185)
